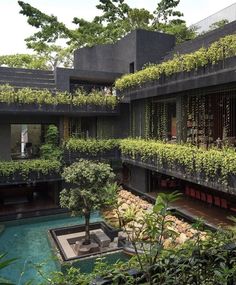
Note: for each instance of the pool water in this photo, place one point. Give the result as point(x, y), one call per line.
point(27, 240)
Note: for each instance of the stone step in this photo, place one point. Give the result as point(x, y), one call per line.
point(15, 79)
point(22, 71)
point(33, 85)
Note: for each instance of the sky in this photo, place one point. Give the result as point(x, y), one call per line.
point(14, 27)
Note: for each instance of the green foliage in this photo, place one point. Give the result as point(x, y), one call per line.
point(3, 264)
point(51, 136)
point(216, 165)
point(71, 276)
point(219, 50)
point(202, 262)
point(50, 149)
point(218, 24)
point(40, 97)
point(213, 164)
point(24, 61)
point(116, 19)
point(25, 167)
point(88, 191)
point(91, 146)
point(166, 9)
point(153, 229)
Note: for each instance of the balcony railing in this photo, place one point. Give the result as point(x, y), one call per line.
point(44, 101)
point(211, 168)
point(57, 109)
point(29, 171)
point(206, 76)
point(76, 149)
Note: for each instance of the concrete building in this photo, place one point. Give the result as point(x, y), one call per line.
point(210, 91)
point(228, 13)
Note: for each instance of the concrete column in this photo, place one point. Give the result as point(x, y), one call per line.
point(5, 141)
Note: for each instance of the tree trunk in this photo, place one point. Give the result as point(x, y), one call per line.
point(87, 233)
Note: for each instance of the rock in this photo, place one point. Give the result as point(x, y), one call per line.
point(182, 238)
point(167, 243)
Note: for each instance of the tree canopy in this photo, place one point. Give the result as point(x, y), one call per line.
point(116, 20)
point(24, 61)
point(89, 188)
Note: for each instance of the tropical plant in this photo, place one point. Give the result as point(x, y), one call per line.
point(3, 264)
point(214, 164)
point(87, 190)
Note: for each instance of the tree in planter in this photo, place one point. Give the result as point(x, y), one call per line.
point(88, 189)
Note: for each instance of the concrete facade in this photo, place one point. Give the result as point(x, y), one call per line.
point(102, 65)
point(5, 141)
point(137, 48)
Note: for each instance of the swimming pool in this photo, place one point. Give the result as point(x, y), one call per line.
point(27, 240)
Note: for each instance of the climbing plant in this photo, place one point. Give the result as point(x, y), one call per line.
point(214, 164)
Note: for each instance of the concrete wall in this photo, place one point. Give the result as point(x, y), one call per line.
point(203, 41)
point(138, 178)
point(5, 141)
point(114, 127)
point(138, 47)
point(21, 77)
point(24, 119)
point(63, 76)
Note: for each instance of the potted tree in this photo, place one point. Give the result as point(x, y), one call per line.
point(88, 184)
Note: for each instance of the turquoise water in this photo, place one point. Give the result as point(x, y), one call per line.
point(27, 240)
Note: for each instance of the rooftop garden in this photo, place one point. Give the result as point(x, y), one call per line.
point(80, 98)
point(219, 50)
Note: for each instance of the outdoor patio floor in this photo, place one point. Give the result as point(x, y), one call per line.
point(211, 214)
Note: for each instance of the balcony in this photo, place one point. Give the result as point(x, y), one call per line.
point(29, 171)
point(75, 149)
point(204, 77)
point(206, 67)
point(215, 169)
point(61, 109)
point(29, 101)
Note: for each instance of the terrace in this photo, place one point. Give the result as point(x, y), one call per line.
point(206, 67)
point(211, 168)
point(44, 101)
point(29, 171)
point(75, 149)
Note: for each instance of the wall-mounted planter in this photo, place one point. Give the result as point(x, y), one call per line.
point(179, 171)
point(71, 156)
point(57, 109)
point(32, 177)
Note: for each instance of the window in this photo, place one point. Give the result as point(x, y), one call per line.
point(131, 67)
